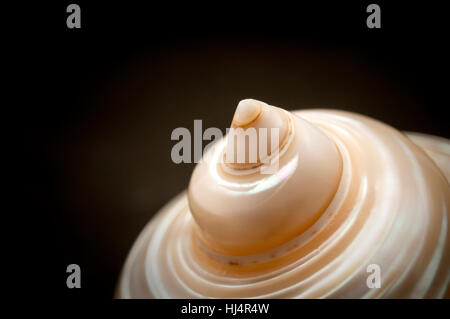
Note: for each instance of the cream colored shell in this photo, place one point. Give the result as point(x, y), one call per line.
point(350, 192)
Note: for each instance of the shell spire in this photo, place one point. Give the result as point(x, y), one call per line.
point(283, 203)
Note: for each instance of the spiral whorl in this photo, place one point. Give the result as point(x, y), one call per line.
point(248, 214)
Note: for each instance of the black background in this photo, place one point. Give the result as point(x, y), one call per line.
point(102, 101)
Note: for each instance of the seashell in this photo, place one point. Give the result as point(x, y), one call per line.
point(349, 194)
